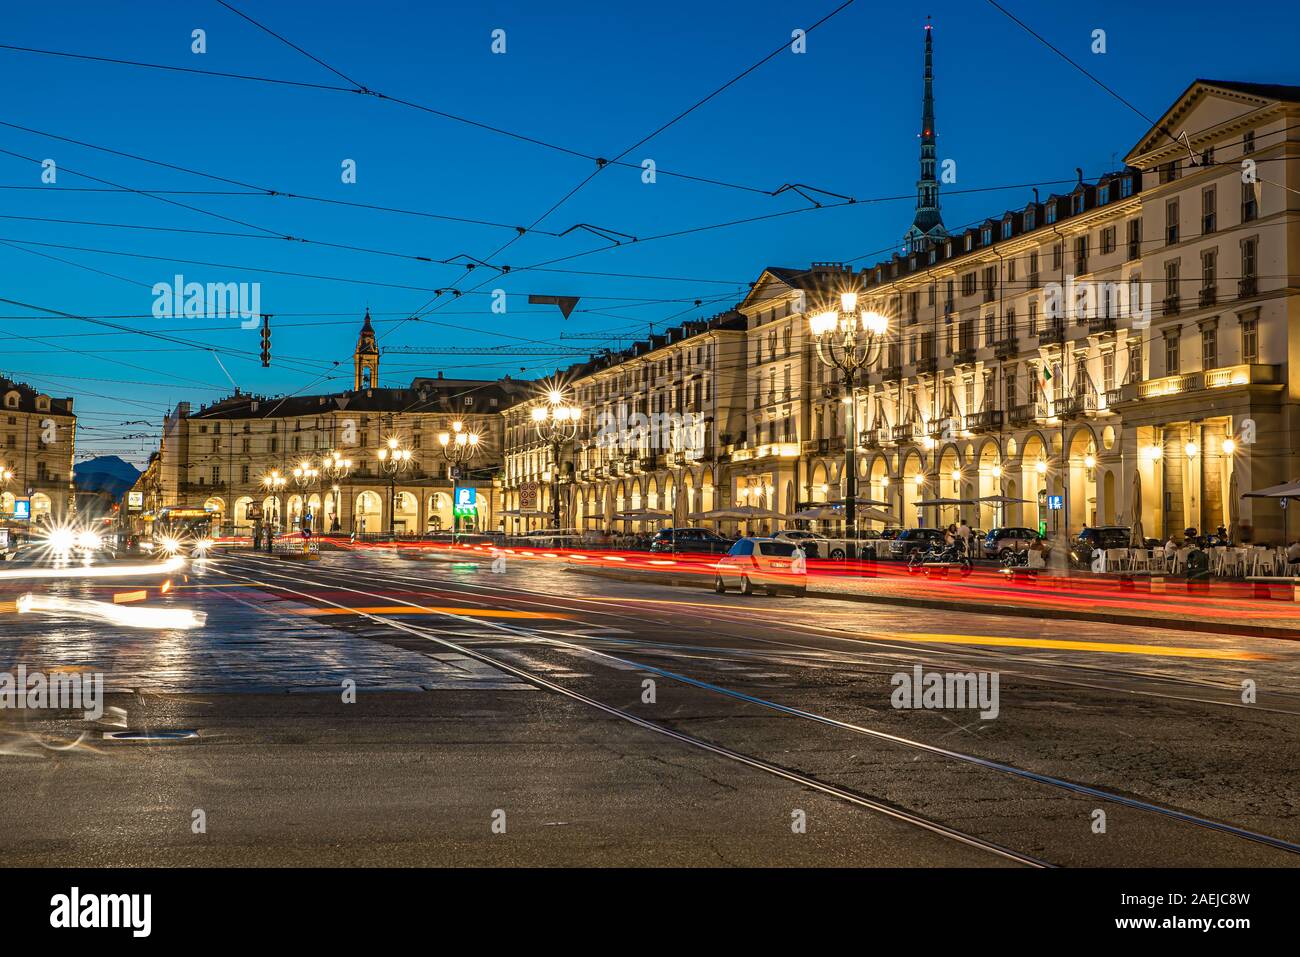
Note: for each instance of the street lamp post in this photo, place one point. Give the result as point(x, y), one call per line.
point(556, 424)
point(335, 467)
point(458, 447)
point(393, 459)
point(305, 475)
point(848, 340)
point(274, 483)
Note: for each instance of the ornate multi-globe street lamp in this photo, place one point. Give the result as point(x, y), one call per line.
point(335, 467)
point(393, 460)
point(557, 424)
point(305, 475)
point(849, 339)
point(459, 446)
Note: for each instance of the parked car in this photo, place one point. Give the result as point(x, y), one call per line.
point(767, 563)
point(1001, 542)
point(688, 540)
point(1102, 537)
point(911, 540)
point(813, 545)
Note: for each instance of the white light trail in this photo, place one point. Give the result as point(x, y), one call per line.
point(126, 616)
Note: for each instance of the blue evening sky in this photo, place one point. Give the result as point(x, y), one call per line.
point(593, 77)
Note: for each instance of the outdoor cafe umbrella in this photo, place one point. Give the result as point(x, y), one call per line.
point(830, 513)
point(1001, 501)
point(1136, 538)
point(642, 514)
point(1284, 492)
point(946, 503)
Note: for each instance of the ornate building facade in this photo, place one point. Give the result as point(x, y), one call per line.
point(1115, 354)
point(248, 458)
point(37, 445)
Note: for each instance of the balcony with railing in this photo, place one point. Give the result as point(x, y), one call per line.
point(904, 432)
point(1172, 305)
point(891, 373)
point(1023, 415)
point(990, 420)
point(873, 438)
point(1227, 377)
point(1074, 406)
point(1100, 325)
point(965, 356)
point(1209, 296)
point(1007, 348)
point(1052, 334)
point(1247, 286)
point(927, 365)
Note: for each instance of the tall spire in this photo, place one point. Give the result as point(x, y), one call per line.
point(928, 224)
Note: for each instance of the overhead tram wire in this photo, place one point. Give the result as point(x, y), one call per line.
point(330, 87)
point(1103, 85)
point(253, 188)
point(602, 163)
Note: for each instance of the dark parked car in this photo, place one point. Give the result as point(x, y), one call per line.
point(911, 540)
point(1098, 537)
point(1001, 542)
point(689, 540)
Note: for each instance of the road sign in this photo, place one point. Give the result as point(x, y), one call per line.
point(134, 501)
point(22, 508)
point(1055, 503)
point(528, 496)
point(465, 504)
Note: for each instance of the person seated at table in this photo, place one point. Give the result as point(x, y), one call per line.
point(1037, 554)
point(1190, 538)
point(1293, 553)
point(1171, 547)
point(1221, 537)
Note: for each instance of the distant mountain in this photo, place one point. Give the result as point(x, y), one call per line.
point(107, 473)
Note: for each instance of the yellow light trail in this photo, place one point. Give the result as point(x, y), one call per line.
point(425, 610)
point(1058, 644)
point(1051, 644)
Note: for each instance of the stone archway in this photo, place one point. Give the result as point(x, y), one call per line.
point(368, 513)
point(406, 513)
point(240, 514)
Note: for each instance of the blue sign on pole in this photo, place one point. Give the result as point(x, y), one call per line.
point(23, 508)
point(1054, 503)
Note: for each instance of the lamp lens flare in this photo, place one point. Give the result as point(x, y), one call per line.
point(822, 323)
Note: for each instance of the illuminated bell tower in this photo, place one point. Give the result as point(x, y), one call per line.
point(366, 359)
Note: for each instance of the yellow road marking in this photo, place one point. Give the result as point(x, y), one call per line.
point(1167, 651)
point(426, 610)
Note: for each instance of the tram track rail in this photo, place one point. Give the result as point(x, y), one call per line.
point(1077, 788)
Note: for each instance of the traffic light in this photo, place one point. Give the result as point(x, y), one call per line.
point(266, 341)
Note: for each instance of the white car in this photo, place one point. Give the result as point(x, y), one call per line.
point(813, 545)
point(836, 549)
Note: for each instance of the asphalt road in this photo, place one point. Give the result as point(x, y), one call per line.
point(609, 723)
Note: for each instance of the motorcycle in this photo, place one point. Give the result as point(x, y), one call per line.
point(954, 554)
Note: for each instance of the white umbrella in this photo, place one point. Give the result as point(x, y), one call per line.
point(1285, 490)
point(642, 514)
point(819, 513)
point(744, 513)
